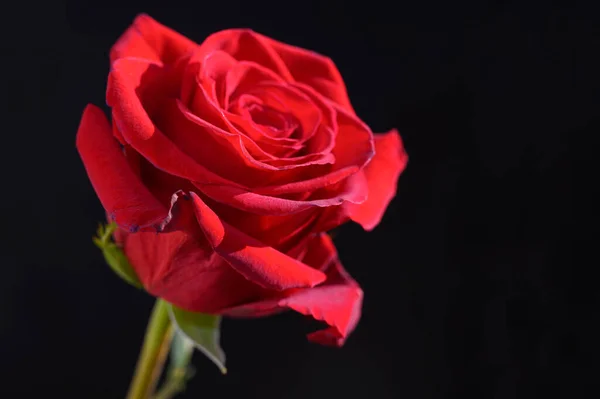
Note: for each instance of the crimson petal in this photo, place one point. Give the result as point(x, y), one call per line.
point(138, 130)
point(337, 302)
point(120, 190)
point(382, 178)
point(181, 267)
point(146, 38)
point(353, 189)
point(259, 263)
point(247, 45)
point(314, 70)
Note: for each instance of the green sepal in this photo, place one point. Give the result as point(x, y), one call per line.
point(182, 349)
point(114, 255)
point(202, 331)
point(180, 370)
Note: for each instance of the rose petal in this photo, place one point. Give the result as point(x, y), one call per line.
point(273, 147)
point(146, 38)
point(257, 133)
point(290, 62)
point(209, 71)
point(315, 70)
point(279, 232)
point(354, 142)
point(382, 176)
point(286, 163)
point(245, 75)
point(161, 184)
point(206, 108)
point(201, 106)
point(295, 102)
point(337, 302)
point(120, 190)
point(328, 112)
point(331, 218)
point(274, 123)
point(138, 130)
point(247, 45)
point(209, 145)
point(353, 138)
point(197, 136)
point(263, 265)
point(182, 268)
point(353, 189)
point(208, 103)
point(309, 185)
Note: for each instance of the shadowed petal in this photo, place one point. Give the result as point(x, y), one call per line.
point(259, 263)
point(181, 267)
point(337, 302)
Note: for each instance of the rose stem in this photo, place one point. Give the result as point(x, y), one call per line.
point(153, 354)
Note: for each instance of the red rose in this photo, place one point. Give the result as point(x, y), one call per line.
point(235, 157)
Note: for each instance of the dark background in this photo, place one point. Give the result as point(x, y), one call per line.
point(472, 284)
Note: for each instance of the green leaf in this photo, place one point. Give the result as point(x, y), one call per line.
point(114, 255)
point(203, 330)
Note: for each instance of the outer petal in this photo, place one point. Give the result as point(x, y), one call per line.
point(120, 190)
point(146, 38)
point(280, 232)
point(259, 263)
point(337, 302)
point(247, 45)
point(290, 62)
point(353, 190)
point(181, 267)
point(315, 70)
point(382, 176)
point(306, 186)
point(355, 143)
point(136, 127)
point(130, 77)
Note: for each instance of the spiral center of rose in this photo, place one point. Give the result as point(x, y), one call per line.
point(281, 124)
point(268, 117)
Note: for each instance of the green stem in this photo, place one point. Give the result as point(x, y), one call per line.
point(174, 385)
point(153, 353)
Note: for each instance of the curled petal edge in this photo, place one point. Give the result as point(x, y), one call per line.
point(337, 302)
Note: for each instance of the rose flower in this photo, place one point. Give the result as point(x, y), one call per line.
point(224, 166)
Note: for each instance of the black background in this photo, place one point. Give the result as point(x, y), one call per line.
point(472, 284)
